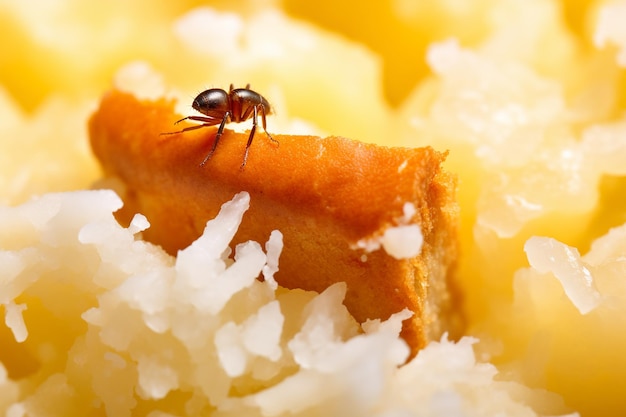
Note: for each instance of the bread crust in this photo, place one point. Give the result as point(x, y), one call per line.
point(323, 194)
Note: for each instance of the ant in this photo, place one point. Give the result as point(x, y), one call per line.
point(221, 107)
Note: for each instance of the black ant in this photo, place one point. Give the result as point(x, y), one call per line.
point(221, 107)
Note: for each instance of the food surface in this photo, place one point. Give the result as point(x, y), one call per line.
point(334, 200)
point(526, 97)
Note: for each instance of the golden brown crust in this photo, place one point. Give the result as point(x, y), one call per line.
point(322, 194)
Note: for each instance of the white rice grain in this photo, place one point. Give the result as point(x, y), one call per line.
point(15, 321)
point(547, 255)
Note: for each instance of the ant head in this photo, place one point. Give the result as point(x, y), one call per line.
point(210, 101)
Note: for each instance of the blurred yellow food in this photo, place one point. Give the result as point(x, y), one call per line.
point(528, 96)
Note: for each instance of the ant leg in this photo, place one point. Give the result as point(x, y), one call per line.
point(265, 128)
point(252, 131)
point(208, 121)
point(184, 118)
point(186, 129)
point(218, 135)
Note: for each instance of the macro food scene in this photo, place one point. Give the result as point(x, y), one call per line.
point(286, 208)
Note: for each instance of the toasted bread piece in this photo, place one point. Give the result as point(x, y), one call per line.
point(323, 194)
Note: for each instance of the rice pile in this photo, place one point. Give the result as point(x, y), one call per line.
point(118, 326)
point(528, 96)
